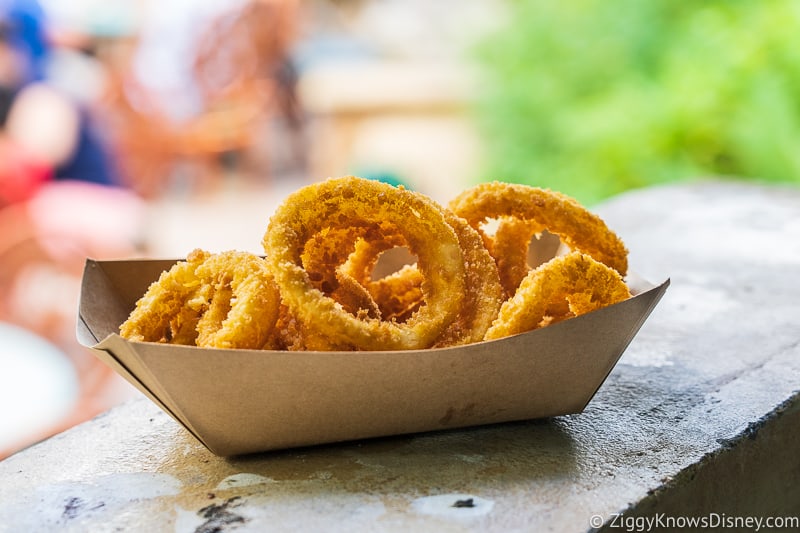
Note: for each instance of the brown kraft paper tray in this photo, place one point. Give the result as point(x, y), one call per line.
point(243, 401)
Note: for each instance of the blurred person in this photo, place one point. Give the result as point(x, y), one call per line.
point(22, 171)
point(44, 133)
point(197, 60)
point(50, 153)
point(54, 167)
point(26, 19)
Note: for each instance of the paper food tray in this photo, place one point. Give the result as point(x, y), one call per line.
point(244, 401)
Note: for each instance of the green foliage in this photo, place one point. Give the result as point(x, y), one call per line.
point(593, 97)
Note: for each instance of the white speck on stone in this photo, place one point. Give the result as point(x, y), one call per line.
point(469, 458)
point(243, 479)
point(453, 506)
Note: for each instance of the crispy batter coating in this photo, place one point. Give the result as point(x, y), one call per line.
point(339, 261)
point(360, 203)
point(244, 308)
point(171, 307)
point(585, 284)
point(399, 294)
point(317, 287)
point(578, 228)
point(509, 246)
point(354, 297)
point(226, 300)
point(483, 294)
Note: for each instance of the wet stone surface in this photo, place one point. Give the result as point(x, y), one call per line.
point(699, 418)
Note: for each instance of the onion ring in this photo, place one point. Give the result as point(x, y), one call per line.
point(292, 334)
point(226, 300)
point(247, 308)
point(584, 283)
point(356, 202)
point(163, 313)
point(542, 209)
point(399, 294)
point(483, 295)
point(328, 259)
point(509, 246)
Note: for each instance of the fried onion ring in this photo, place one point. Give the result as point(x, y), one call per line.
point(387, 210)
point(585, 284)
point(170, 309)
point(246, 310)
point(399, 294)
point(226, 300)
point(322, 285)
point(541, 209)
point(328, 259)
point(483, 294)
point(509, 246)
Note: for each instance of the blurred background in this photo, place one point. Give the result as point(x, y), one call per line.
point(135, 128)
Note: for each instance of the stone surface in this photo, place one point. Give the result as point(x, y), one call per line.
point(700, 417)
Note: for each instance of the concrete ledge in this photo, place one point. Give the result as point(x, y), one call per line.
point(752, 475)
point(700, 417)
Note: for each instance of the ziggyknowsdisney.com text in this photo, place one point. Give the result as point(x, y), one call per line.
point(715, 521)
